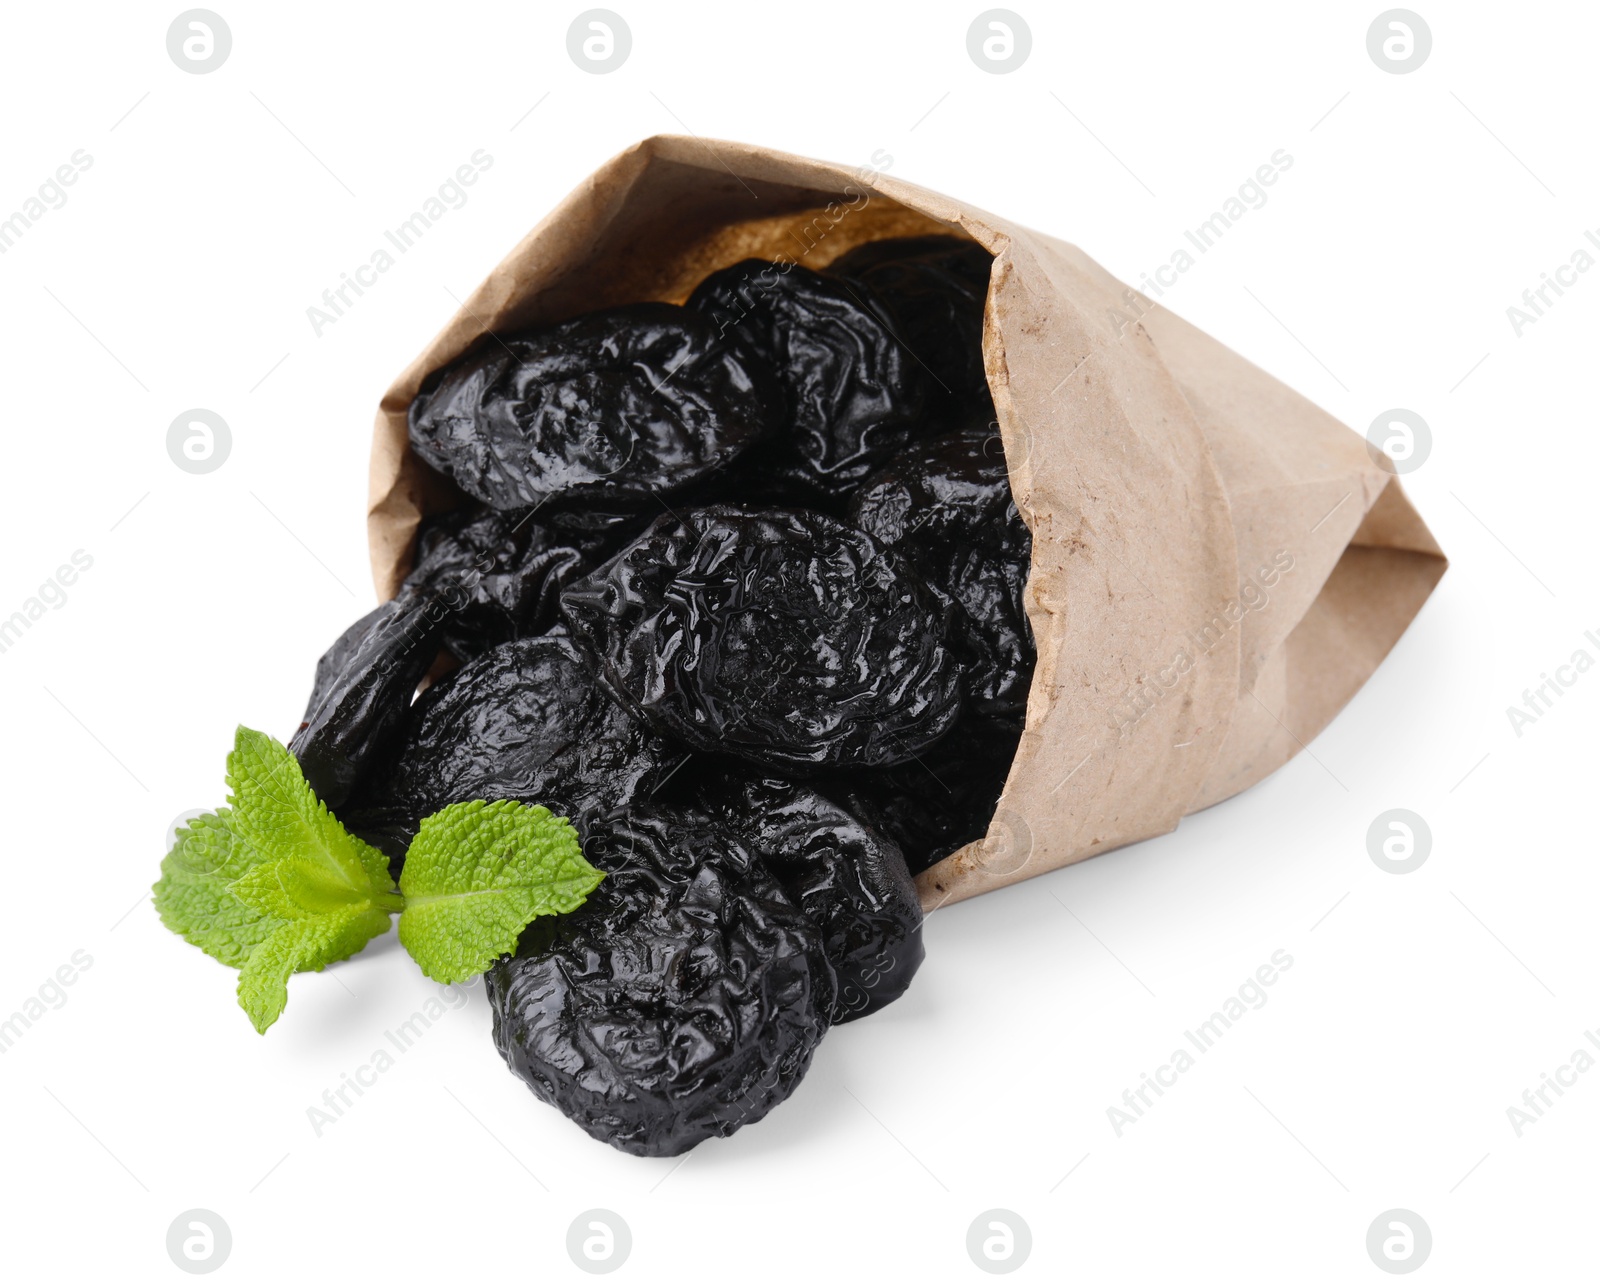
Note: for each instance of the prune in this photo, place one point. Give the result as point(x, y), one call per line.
point(946, 505)
point(682, 1000)
point(997, 641)
point(785, 637)
point(362, 688)
point(950, 488)
point(522, 721)
point(851, 882)
point(498, 576)
point(852, 392)
point(941, 800)
point(935, 295)
point(609, 408)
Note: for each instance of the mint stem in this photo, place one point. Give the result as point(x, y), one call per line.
point(389, 902)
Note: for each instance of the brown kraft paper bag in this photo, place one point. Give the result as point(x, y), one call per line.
point(1218, 565)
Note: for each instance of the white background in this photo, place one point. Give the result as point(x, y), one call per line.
point(1418, 1007)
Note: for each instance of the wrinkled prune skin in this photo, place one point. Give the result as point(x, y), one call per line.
point(946, 504)
point(850, 881)
point(948, 489)
point(936, 299)
point(940, 801)
point(785, 637)
point(362, 688)
point(523, 721)
point(498, 576)
point(611, 408)
point(681, 1001)
point(998, 652)
point(852, 393)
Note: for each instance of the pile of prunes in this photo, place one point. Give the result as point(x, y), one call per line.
point(737, 586)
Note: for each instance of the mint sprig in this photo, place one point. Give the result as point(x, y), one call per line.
point(273, 884)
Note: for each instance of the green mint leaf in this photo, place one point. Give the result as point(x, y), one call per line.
point(302, 945)
point(273, 884)
point(277, 814)
point(194, 896)
point(295, 888)
point(477, 873)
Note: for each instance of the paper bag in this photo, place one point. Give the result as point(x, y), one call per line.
point(1218, 565)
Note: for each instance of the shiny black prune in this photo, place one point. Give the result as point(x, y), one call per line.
point(498, 576)
point(785, 637)
point(848, 879)
point(611, 408)
point(681, 1001)
point(939, 801)
point(363, 685)
point(936, 298)
point(951, 488)
point(522, 721)
point(852, 392)
point(947, 505)
point(997, 655)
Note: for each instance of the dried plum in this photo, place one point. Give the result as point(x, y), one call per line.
point(952, 487)
point(941, 800)
point(852, 393)
point(851, 882)
point(498, 576)
point(936, 300)
point(785, 637)
point(997, 641)
point(946, 504)
point(609, 408)
point(522, 721)
point(682, 1000)
point(363, 685)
